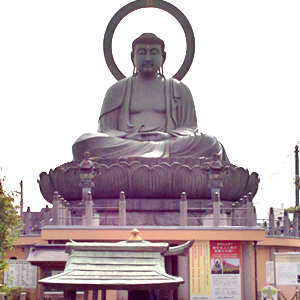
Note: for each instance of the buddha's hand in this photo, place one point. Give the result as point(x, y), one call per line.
point(155, 136)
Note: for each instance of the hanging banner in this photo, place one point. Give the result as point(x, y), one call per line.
point(199, 271)
point(215, 270)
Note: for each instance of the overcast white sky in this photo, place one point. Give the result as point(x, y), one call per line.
point(245, 80)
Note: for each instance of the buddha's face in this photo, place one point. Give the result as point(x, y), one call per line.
point(148, 59)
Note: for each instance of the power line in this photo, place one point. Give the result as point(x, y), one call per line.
point(282, 164)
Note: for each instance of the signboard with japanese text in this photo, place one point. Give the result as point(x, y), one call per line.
point(215, 270)
point(270, 273)
point(287, 268)
point(20, 273)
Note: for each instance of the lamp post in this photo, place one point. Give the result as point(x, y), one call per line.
point(87, 173)
point(216, 171)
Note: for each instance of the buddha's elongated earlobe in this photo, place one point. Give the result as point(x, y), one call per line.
point(135, 72)
point(162, 71)
point(162, 66)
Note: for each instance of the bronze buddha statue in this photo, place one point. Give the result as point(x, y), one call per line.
point(148, 144)
point(148, 115)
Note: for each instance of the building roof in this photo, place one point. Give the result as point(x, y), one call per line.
point(47, 253)
point(131, 264)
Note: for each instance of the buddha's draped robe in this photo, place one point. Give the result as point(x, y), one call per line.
point(180, 122)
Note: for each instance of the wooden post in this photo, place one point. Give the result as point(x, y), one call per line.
point(103, 295)
point(69, 295)
point(86, 295)
point(95, 295)
point(41, 288)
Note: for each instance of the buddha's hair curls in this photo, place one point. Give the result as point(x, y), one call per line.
point(148, 38)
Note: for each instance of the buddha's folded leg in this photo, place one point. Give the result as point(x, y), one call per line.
point(197, 146)
point(101, 145)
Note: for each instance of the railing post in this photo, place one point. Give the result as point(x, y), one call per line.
point(286, 224)
point(64, 212)
point(61, 212)
point(271, 222)
point(233, 223)
point(278, 228)
point(239, 214)
point(55, 208)
point(47, 216)
point(254, 216)
point(250, 218)
point(183, 210)
point(68, 214)
point(216, 209)
point(122, 209)
point(295, 225)
point(89, 209)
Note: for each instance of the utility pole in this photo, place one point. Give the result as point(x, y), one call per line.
point(21, 201)
point(297, 174)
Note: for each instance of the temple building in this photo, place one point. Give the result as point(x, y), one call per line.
point(233, 249)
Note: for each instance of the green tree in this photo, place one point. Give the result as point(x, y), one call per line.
point(10, 224)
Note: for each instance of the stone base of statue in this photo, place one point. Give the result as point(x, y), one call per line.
point(156, 180)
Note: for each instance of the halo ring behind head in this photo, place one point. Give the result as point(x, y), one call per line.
point(132, 6)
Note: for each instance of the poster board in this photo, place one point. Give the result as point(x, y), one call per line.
point(287, 268)
point(215, 270)
point(20, 273)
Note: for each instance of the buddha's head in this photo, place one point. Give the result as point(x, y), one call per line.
point(148, 54)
